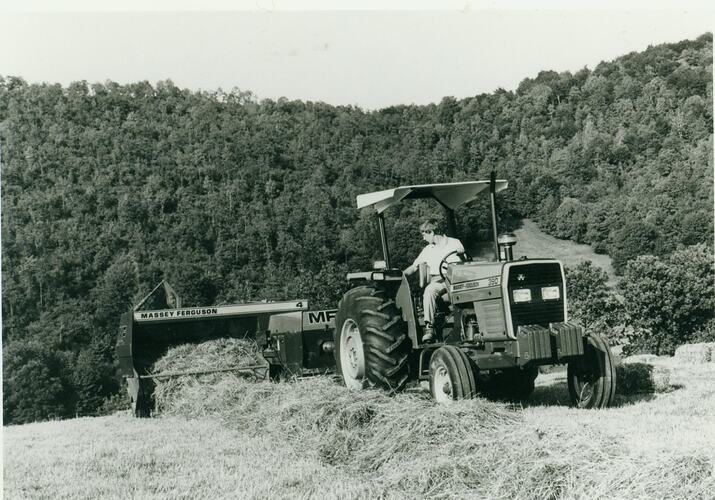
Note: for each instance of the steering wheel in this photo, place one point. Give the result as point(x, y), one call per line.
point(463, 257)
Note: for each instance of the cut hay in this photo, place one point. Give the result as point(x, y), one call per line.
point(642, 358)
point(703, 352)
point(407, 446)
point(217, 354)
point(634, 377)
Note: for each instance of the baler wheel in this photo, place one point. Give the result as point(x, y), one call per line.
point(371, 343)
point(451, 376)
point(143, 404)
point(592, 378)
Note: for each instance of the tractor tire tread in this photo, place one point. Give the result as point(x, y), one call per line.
point(377, 352)
point(386, 304)
point(470, 371)
point(394, 321)
point(370, 298)
point(464, 371)
point(370, 312)
point(399, 366)
point(379, 332)
point(396, 345)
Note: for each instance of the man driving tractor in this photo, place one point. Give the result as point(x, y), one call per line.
point(439, 247)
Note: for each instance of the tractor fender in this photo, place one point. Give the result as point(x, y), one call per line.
point(403, 300)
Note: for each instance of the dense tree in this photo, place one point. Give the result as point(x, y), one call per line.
point(593, 303)
point(669, 299)
point(36, 382)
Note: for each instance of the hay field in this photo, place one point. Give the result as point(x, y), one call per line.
point(233, 438)
point(534, 243)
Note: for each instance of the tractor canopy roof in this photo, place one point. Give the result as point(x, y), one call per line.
point(451, 195)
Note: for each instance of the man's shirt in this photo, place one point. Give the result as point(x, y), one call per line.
point(433, 253)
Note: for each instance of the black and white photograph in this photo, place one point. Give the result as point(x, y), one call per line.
point(279, 249)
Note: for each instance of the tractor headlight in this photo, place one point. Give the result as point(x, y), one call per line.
point(550, 293)
point(522, 295)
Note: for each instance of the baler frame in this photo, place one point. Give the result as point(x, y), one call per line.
point(293, 340)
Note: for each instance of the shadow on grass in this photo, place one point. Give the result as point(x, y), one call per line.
point(556, 394)
point(630, 399)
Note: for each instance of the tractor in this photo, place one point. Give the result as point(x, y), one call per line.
point(501, 319)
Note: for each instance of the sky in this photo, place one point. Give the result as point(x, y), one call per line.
point(371, 58)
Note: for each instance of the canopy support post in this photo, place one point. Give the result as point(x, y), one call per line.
point(493, 199)
point(383, 239)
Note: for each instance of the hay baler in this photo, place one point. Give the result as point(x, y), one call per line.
point(500, 320)
point(293, 340)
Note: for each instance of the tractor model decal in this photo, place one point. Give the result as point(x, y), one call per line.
point(326, 316)
point(471, 285)
point(319, 320)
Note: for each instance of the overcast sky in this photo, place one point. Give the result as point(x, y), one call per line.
point(369, 58)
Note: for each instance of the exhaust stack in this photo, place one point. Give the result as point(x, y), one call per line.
point(506, 242)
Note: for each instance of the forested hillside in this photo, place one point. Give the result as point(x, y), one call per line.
point(108, 188)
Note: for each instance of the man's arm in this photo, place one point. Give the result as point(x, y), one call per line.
point(460, 246)
point(415, 265)
point(455, 245)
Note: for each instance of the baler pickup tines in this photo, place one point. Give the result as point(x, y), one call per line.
point(260, 372)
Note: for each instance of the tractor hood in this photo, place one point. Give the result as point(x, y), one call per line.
point(451, 195)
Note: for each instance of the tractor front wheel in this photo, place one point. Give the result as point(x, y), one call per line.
point(451, 375)
point(592, 377)
point(371, 344)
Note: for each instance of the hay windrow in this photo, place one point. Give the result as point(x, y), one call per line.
point(635, 377)
point(407, 446)
point(219, 353)
point(211, 355)
point(702, 352)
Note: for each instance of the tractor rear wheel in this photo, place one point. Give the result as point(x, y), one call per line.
point(451, 376)
point(592, 377)
point(371, 344)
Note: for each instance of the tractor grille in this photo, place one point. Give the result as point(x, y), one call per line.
point(537, 311)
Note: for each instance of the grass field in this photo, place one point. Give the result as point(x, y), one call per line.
point(315, 439)
point(534, 243)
